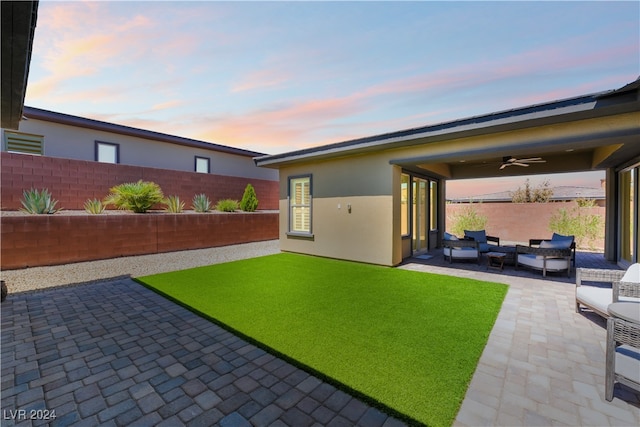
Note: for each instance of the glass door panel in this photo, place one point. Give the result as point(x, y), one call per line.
point(628, 233)
point(420, 214)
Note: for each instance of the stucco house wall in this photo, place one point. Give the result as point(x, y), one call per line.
point(72, 137)
point(363, 233)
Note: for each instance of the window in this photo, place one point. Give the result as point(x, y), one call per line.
point(107, 152)
point(300, 205)
point(17, 142)
point(202, 164)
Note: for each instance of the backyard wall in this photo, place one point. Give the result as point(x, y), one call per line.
point(73, 182)
point(37, 240)
point(519, 222)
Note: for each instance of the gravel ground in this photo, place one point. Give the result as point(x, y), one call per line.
point(34, 278)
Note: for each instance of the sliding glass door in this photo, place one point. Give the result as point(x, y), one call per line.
point(628, 229)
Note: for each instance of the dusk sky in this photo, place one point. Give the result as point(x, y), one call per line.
point(280, 76)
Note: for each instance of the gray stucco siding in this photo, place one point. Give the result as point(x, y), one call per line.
point(78, 143)
point(368, 175)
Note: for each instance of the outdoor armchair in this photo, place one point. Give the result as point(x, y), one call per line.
point(622, 362)
point(455, 248)
point(625, 287)
point(558, 240)
point(483, 240)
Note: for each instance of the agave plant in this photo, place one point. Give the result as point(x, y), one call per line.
point(174, 204)
point(201, 203)
point(38, 202)
point(138, 197)
point(94, 206)
point(227, 205)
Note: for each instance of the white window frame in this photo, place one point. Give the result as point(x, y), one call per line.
point(115, 146)
point(298, 206)
point(208, 162)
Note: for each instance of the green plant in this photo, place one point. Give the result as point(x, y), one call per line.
point(578, 222)
point(138, 196)
point(467, 218)
point(201, 203)
point(94, 206)
point(38, 202)
point(174, 204)
point(249, 202)
point(227, 205)
point(540, 194)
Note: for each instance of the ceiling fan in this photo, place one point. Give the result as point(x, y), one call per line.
point(512, 161)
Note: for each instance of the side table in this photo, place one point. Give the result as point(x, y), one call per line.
point(495, 260)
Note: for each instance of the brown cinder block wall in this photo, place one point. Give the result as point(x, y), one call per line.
point(73, 182)
point(38, 240)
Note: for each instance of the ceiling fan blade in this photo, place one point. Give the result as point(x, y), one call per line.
point(520, 164)
point(504, 165)
point(530, 159)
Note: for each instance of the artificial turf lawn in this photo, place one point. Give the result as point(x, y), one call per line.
point(408, 340)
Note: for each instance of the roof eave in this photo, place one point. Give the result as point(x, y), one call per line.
point(67, 119)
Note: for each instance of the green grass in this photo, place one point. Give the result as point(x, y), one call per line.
point(404, 340)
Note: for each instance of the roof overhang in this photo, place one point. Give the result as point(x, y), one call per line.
point(18, 28)
point(611, 143)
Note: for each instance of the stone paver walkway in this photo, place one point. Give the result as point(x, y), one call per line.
point(116, 353)
point(544, 363)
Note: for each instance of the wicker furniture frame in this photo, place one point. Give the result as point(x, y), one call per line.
point(546, 254)
point(601, 276)
point(536, 242)
point(623, 340)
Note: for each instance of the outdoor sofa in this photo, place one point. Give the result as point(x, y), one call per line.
point(549, 255)
point(625, 287)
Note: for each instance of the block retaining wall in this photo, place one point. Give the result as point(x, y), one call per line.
point(39, 240)
point(519, 222)
point(73, 182)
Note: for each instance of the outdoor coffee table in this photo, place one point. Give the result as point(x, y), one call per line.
point(495, 260)
point(509, 251)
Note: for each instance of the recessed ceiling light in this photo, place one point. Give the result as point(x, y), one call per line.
point(569, 150)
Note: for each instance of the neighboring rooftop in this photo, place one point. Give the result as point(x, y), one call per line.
point(561, 193)
point(67, 119)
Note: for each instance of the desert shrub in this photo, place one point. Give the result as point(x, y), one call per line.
point(467, 218)
point(138, 197)
point(578, 222)
point(540, 194)
point(249, 202)
point(174, 204)
point(38, 202)
point(201, 203)
point(94, 206)
point(227, 205)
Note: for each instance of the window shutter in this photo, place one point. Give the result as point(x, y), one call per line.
point(17, 142)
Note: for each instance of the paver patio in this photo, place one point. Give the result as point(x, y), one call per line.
point(115, 353)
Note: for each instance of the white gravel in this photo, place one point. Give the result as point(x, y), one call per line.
point(29, 279)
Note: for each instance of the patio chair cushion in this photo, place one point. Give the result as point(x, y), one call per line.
point(460, 253)
point(479, 236)
point(632, 275)
point(598, 298)
point(553, 264)
point(449, 236)
point(556, 244)
point(561, 238)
